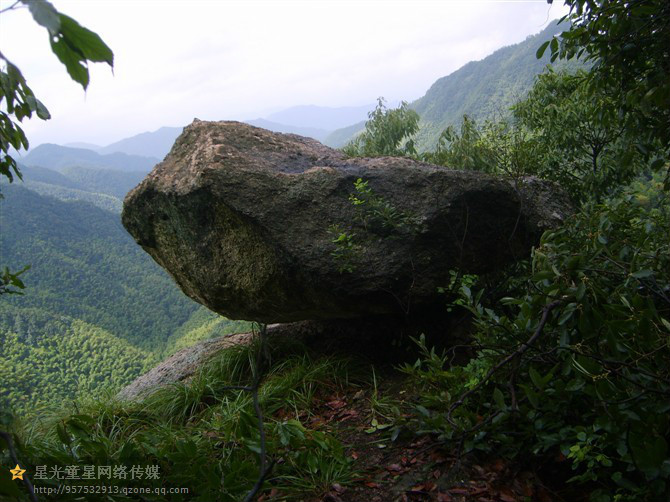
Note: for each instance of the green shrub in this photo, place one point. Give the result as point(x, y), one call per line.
point(575, 360)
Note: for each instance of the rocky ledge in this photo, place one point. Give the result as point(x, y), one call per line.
point(273, 227)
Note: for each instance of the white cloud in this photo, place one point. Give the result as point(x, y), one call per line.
point(175, 60)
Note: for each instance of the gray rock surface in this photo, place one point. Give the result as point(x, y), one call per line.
point(179, 367)
point(244, 220)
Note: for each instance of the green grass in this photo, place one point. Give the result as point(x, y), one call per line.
point(203, 435)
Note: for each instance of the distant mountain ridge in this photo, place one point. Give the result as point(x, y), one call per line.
point(320, 117)
point(155, 144)
point(306, 120)
point(310, 132)
point(59, 157)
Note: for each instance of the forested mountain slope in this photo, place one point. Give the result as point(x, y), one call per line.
point(481, 89)
point(85, 265)
point(49, 358)
point(97, 311)
point(104, 188)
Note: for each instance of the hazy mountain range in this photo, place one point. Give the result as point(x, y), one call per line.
point(480, 89)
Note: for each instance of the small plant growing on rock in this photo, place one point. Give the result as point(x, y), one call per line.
point(375, 215)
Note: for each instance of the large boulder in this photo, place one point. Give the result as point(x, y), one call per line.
point(246, 220)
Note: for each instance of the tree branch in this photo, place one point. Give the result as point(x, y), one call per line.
point(518, 352)
point(264, 469)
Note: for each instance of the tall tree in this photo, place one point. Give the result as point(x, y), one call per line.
point(587, 144)
point(387, 132)
point(628, 42)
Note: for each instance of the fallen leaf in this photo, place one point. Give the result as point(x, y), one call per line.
point(444, 497)
point(504, 497)
point(354, 455)
point(337, 487)
point(372, 484)
point(317, 421)
point(436, 473)
point(438, 457)
point(336, 405)
point(394, 468)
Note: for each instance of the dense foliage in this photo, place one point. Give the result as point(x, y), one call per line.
point(571, 348)
point(92, 269)
point(51, 358)
point(387, 132)
point(628, 44)
point(75, 46)
point(574, 361)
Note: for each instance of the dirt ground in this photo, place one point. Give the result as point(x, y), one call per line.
point(416, 468)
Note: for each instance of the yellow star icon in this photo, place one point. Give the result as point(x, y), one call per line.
point(17, 472)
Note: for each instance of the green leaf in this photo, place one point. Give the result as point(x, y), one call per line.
point(87, 43)
point(541, 49)
point(423, 410)
point(63, 435)
point(567, 314)
point(536, 378)
point(532, 396)
point(72, 61)
point(44, 14)
point(574, 385)
point(641, 274)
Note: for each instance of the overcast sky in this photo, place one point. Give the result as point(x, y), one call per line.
point(220, 59)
